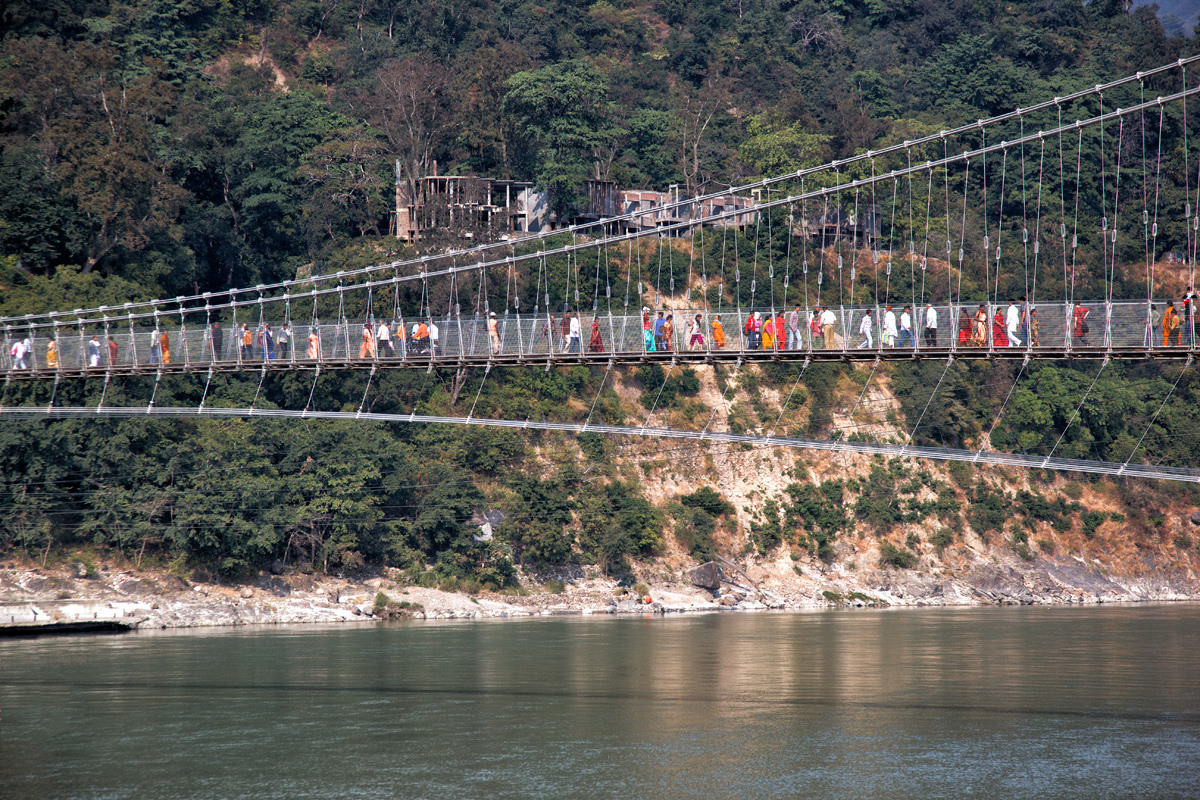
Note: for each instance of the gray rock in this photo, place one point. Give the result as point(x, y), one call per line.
point(1196, 517)
point(706, 576)
point(277, 567)
point(247, 592)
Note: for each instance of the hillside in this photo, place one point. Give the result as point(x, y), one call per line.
point(151, 149)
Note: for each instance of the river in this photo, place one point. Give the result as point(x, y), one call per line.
point(985, 702)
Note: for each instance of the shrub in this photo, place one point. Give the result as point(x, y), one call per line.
point(1020, 545)
point(832, 597)
point(961, 473)
point(1073, 491)
point(767, 533)
point(381, 603)
point(641, 590)
point(893, 556)
point(912, 542)
point(555, 587)
point(942, 539)
point(592, 445)
point(1046, 546)
point(1183, 541)
point(1091, 521)
point(990, 510)
point(708, 499)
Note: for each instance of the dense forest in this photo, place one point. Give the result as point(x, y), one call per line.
point(163, 147)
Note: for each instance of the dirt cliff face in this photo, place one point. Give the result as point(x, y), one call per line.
point(914, 532)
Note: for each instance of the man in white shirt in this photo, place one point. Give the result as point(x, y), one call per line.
point(889, 328)
point(434, 342)
point(1012, 321)
point(865, 328)
point(906, 334)
point(828, 320)
point(383, 339)
point(930, 325)
point(576, 335)
point(19, 350)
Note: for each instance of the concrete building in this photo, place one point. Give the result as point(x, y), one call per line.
point(471, 205)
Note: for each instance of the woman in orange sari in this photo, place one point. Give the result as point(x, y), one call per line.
point(1170, 325)
point(366, 349)
point(718, 332)
point(164, 342)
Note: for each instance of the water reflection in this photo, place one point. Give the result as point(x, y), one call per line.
point(938, 703)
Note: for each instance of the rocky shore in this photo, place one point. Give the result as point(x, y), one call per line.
point(30, 593)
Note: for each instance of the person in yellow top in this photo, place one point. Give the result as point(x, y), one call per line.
point(768, 333)
point(51, 355)
point(718, 332)
point(164, 342)
point(1170, 325)
point(314, 345)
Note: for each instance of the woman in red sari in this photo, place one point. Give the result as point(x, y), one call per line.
point(999, 336)
point(595, 343)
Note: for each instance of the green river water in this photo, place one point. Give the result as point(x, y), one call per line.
point(984, 702)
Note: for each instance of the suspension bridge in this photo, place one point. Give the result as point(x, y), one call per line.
point(1007, 238)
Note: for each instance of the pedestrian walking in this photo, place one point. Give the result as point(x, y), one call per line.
point(828, 320)
point(718, 332)
point(1012, 323)
point(793, 329)
point(865, 328)
point(1170, 323)
point(595, 341)
point(906, 333)
point(493, 330)
point(575, 334)
point(931, 325)
point(1153, 318)
point(1080, 327)
point(696, 339)
point(366, 344)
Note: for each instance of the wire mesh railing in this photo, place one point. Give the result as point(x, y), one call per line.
point(971, 329)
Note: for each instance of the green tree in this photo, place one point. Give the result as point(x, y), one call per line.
point(564, 114)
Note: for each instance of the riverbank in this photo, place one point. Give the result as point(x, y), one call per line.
point(30, 593)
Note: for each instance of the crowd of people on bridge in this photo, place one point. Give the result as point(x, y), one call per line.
point(1015, 324)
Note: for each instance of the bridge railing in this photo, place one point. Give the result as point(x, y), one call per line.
point(1086, 328)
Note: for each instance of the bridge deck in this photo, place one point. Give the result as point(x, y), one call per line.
point(1119, 332)
point(684, 357)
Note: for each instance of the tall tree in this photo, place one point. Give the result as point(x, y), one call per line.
point(410, 105)
point(564, 111)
